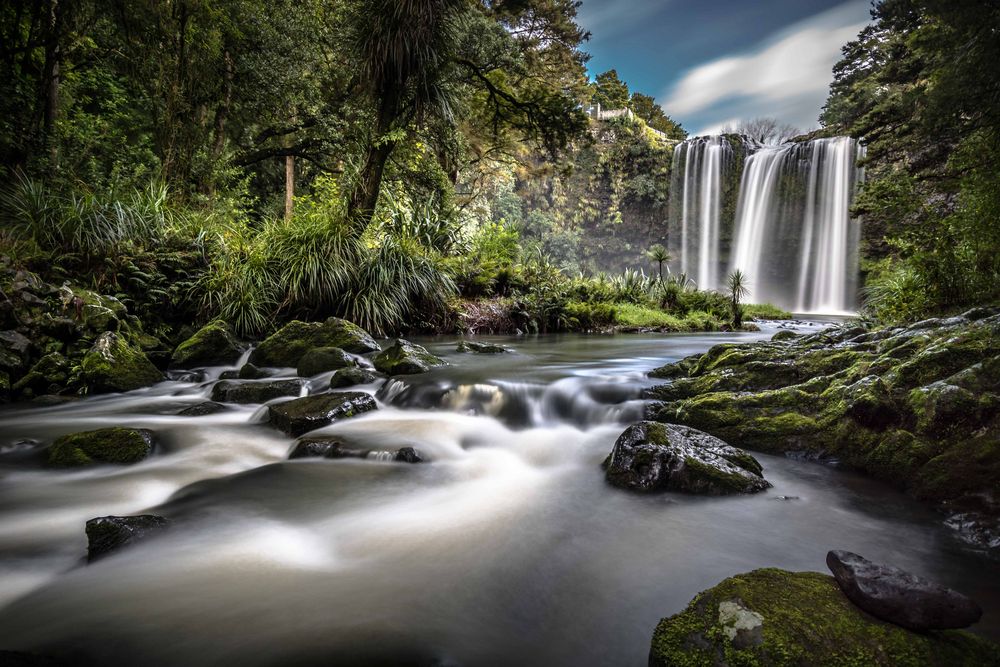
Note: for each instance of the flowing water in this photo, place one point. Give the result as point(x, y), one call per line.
point(507, 548)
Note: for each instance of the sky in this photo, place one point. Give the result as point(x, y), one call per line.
point(710, 63)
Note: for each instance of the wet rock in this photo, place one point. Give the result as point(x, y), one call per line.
point(650, 456)
point(480, 348)
point(15, 351)
point(348, 377)
point(406, 358)
point(202, 409)
point(322, 359)
point(105, 445)
point(332, 447)
point(214, 344)
point(229, 375)
point(231, 391)
point(900, 597)
point(4, 387)
point(784, 334)
point(97, 318)
point(48, 375)
point(114, 365)
point(288, 344)
point(251, 372)
point(940, 406)
point(780, 618)
point(306, 414)
point(107, 534)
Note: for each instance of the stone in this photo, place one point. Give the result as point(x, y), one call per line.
point(286, 346)
point(105, 445)
point(789, 619)
point(348, 377)
point(332, 447)
point(784, 334)
point(306, 414)
point(322, 359)
point(250, 372)
point(651, 456)
point(480, 348)
point(114, 365)
point(202, 409)
point(15, 349)
point(406, 358)
point(98, 318)
point(232, 391)
point(214, 344)
point(107, 534)
point(48, 375)
point(899, 597)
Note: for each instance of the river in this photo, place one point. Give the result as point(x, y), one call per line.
point(508, 548)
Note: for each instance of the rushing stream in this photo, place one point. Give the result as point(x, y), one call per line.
point(508, 548)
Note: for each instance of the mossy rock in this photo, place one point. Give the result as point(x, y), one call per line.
point(4, 387)
point(232, 391)
point(348, 377)
point(212, 345)
point(406, 358)
point(480, 348)
point(785, 334)
point(250, 372)
point(106, 445)
point(48, 376)
point(107, 534)
point(286, 346)
point(782, 619)
point(311, 412)
point(114, 365)
point(322, 359)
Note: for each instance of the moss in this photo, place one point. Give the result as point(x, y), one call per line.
point(322, 359)
point(114, 365)
point(212, 345)
point(405, 358)
point(784, 334)
point(286, 346)
point(106, 445)
point(48, 375)
point(4, 386)
point(805, 620)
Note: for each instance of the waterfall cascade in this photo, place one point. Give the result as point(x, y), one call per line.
point(790, 231)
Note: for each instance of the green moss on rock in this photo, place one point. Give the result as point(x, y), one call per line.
point(776, 618)
point(406, 358)
point(322, 359)
point(212, 345)
point(114, 365)
point(286, 346)
point(106, 445)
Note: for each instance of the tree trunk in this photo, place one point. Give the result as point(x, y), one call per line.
point(364, 197)
point(289, 186)
point(51, 79)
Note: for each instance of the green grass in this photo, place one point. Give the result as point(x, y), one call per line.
point(765, 311)
point(632, 315)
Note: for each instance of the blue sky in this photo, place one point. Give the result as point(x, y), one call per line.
point(712, 62)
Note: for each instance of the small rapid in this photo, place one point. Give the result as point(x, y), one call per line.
point(506, 547)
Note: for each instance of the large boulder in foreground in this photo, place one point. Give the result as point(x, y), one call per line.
point(110, 533)
point(212, 345)
point(237, 391)
point(900, 597)
point(406, 358)
point(651, 456)
point(332, 447)
point(287, 345)
point(784, 619)
point(305, 414)
point(114, 365)
point(105, 445)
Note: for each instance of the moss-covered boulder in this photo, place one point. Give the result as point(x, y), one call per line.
point(778, 618)
point(286, 346)
point(107, 534)
point(785, 334)
point(322, 359)
point(106, 445)
point(406, 358)
point(305, 414)
point(250, 372)
point(233, 391)
point(480, 348)
point(650, 456)
point(112, 364)
point(15, 352)
point(348, 377)
point(214, 344)
point(49, 375)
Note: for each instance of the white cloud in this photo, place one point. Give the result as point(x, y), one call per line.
point(786, 77)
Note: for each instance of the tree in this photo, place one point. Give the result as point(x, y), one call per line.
point(645, 107)
point(768, 131)
point(657, 253)
point(738, 290)
point(610, 91)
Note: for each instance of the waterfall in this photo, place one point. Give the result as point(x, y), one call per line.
point(794, 237)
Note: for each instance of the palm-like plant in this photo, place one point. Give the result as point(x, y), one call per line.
point(657, 253)
point(738, 290)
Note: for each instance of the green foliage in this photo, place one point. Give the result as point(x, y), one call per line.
point(738, 291)
point(646, 108)
point(610, 91)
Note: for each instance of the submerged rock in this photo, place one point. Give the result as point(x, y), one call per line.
point(212, 345)
point(480, 348)
point(110, 533)
point(332, 447)
point(306, 414)
point(104, 445)
point(900, 597)
point(784, 619)
point(202, 409)
point(650, 456)
point(232, 391)
point(406, 358)
point(348, 377)
point(286, 346)
point(114, 365)
point(322, 359)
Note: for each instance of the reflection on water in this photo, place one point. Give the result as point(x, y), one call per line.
point(508, 548)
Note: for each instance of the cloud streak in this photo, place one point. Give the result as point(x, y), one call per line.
point(786, 77)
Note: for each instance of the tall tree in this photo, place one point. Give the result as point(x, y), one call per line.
point(645, 107)
point(610, 91)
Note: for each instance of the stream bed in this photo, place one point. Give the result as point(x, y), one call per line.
point(506, 548)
